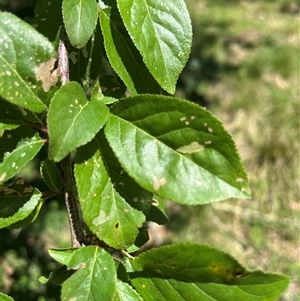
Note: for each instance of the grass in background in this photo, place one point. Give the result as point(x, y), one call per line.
point(245, 68)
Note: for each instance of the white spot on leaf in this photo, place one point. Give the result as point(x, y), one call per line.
point(157, 183)
point(193, 147)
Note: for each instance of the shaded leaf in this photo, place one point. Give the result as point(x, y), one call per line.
point(51, 175)
point(17, 148)
point(58, 276)
point(105, 212)
point(20, 61)
point(47, 18)
point(95, 278)
point(80, 17)
point(72, 120)
point(111, 87)
point(145, 133)
point(85, 64)
point(123, 55)
point(162, 32)
point(182, 276)
point(18, 201)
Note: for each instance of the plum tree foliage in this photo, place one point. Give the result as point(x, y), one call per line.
point(93, 83)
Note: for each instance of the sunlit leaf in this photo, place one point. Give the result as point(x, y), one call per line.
point(123, 55)
point(80, 17)
point(125, 292)
point(4, 297)
point(72, 120)
point(147, 134)
point(105, 212)
point(26, 69)
point(17, 148)
point(95, 278)
point(18, 201)
point(162, 32)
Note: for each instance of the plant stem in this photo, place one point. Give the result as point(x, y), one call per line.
point(69, 185)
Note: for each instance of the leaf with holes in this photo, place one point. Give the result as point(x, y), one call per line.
point(72, 120)
point(17, 148)
point(18, 201)
point(51, 175)
point(162, 32)
point(105, 212)
point(209, 274)
point(147, 134)
point(123, 55)
point(25, 68)
point(93, 266)
point(80, 17)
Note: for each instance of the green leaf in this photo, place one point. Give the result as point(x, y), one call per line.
point(125, 292)
point(204, 264)
point(72, 120)
point(95, 267)
point(123, 55)
point(47, 18)
point(18, 201)
point(4, 297)
point(105, 212)
point(23, 64)
point(17, 148)
point(80, 17)
point(162, 32)
point(62, 256)
point(135, 195)
point(10, 116)
point(98, 95)
point(196, 272)
point(51, 175)
point(147, 134)
point(85, 64)
point(58, 276)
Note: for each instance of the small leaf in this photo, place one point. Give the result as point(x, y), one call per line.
point(98, 95)
point(72, 120)
point(17, 202)
point(145, 133)
point(123, 55)
point(4, 297)
point(51, 175)
point(94, 267)
point(19, 62)
point(80, 17)
point(62, 256)
point(162, 32)
point(105, 212)
point(18, 147)
point(125, 292)
point(196, 272)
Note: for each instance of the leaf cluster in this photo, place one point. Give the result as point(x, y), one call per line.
point(130, 148)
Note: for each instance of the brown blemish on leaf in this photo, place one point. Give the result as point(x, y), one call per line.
point(45, 73)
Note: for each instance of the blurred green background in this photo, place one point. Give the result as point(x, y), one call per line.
point(244, 67)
